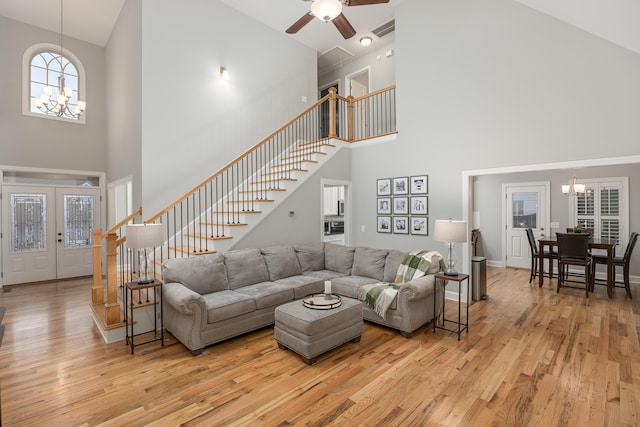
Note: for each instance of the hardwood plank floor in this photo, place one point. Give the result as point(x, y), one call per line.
point(532, 357)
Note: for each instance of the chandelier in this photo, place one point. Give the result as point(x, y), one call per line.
point(573, 187)
point(61, 106)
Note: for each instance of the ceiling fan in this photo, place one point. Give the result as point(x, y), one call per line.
point(331, 10)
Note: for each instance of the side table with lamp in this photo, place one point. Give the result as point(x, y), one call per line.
point(452, 232)
point(144, 238)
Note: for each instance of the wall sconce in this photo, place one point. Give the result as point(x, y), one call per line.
point(366, 41)
point(224, 73)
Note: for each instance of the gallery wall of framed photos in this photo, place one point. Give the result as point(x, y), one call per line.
point(403, 205)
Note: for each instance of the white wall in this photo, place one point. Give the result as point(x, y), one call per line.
point(193, 122)
point(382, 69)
point(42, 143)
point(490, 84)
point(124, 99)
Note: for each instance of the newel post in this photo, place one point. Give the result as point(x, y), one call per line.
point(333, 97)
point(350, 118)
point(97, 292)
point(112, 306)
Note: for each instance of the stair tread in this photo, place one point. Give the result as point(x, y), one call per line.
point(258, 190)
point(224, 224)
point(250, 201)
point(194, 251)
point(235, 212)
point(264, 181)
point(285, 170)
point(206, 237)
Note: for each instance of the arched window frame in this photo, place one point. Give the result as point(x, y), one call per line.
point(28, 56)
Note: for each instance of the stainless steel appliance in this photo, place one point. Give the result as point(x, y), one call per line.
point(332, 226)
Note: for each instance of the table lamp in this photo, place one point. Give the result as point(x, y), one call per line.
point(144, 237)
point(450, 232)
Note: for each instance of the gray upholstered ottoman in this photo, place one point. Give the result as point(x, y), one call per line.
point(311, 332)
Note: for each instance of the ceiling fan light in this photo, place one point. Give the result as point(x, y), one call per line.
point(326, 10)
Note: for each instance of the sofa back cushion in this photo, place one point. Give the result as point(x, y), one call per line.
point(393, 261)
point(338, 258)
point(202, 274)
point(369, 262)
point(281, 261)
point(311, 256)
point(245, 267)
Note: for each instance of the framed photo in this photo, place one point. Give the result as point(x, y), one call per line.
point(400, 186)
point(384, 187)
point(420, 205)
point(419, 184)
point(401, 224)
point(384, 205)
point(384, 224)
point(419, 225)
point(400, 205)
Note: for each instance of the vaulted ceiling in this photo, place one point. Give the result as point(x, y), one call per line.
point(93, 20)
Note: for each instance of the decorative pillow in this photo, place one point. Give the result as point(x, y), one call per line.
point(245, 267)
point(202, 274)
point(338, 258)
point(281, 262)
point(393, 261)
point(369, 262)
point(311, 256)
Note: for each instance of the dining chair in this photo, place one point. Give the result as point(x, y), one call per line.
point(550, 255)
point(573, 249)
point(622, 261)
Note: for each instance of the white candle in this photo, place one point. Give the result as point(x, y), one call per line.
point(327, 287)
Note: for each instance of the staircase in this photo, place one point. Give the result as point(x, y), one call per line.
point(234, 200)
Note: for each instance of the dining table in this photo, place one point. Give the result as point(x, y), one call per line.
point(608, 244)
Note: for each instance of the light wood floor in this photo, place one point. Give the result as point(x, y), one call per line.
point(532, 358)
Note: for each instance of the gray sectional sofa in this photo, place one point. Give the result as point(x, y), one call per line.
point(211, 298)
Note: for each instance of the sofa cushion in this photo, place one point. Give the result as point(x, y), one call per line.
point(201, 274)
point(338, 258)
point(224, 305)
point(281, 262)
point(303, 285)
point(245, 267)
point(267, 294)
point(311, 256)
point(369, 262)
point(348, 286)
point(391, 264)
point(323, 274)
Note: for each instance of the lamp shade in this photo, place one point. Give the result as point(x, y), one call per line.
point(145, 235)
point(449, 231)
point(326, 10)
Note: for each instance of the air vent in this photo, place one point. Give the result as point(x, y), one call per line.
point(385, 28)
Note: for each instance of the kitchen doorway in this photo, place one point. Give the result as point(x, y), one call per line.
point(336, 212)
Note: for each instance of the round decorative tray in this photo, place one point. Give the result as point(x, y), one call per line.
point(322, 301)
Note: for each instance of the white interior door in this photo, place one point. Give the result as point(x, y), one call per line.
point(526, 206)
point(28, 238)
point(77, 212)
point(47, 232)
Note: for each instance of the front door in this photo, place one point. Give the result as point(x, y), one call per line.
point(47, 232)
point(526, 206)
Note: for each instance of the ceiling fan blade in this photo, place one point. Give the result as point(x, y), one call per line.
point(344, 26)
point(297, 26)
point(365, 2)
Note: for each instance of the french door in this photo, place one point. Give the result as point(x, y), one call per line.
point(47, 232)
point(526, 206)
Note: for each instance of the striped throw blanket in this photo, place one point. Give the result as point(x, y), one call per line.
point(380, 296)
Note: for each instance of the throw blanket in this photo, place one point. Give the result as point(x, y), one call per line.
point(379, 296)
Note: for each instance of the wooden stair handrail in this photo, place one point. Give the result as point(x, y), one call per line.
point(236, 160)
point(122, 223)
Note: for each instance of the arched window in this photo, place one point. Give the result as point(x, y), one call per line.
point(54, 84)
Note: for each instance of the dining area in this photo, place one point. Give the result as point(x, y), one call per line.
point(576, 254)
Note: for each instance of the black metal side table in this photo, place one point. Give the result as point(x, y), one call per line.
point(459, 326)
point(131, 287)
